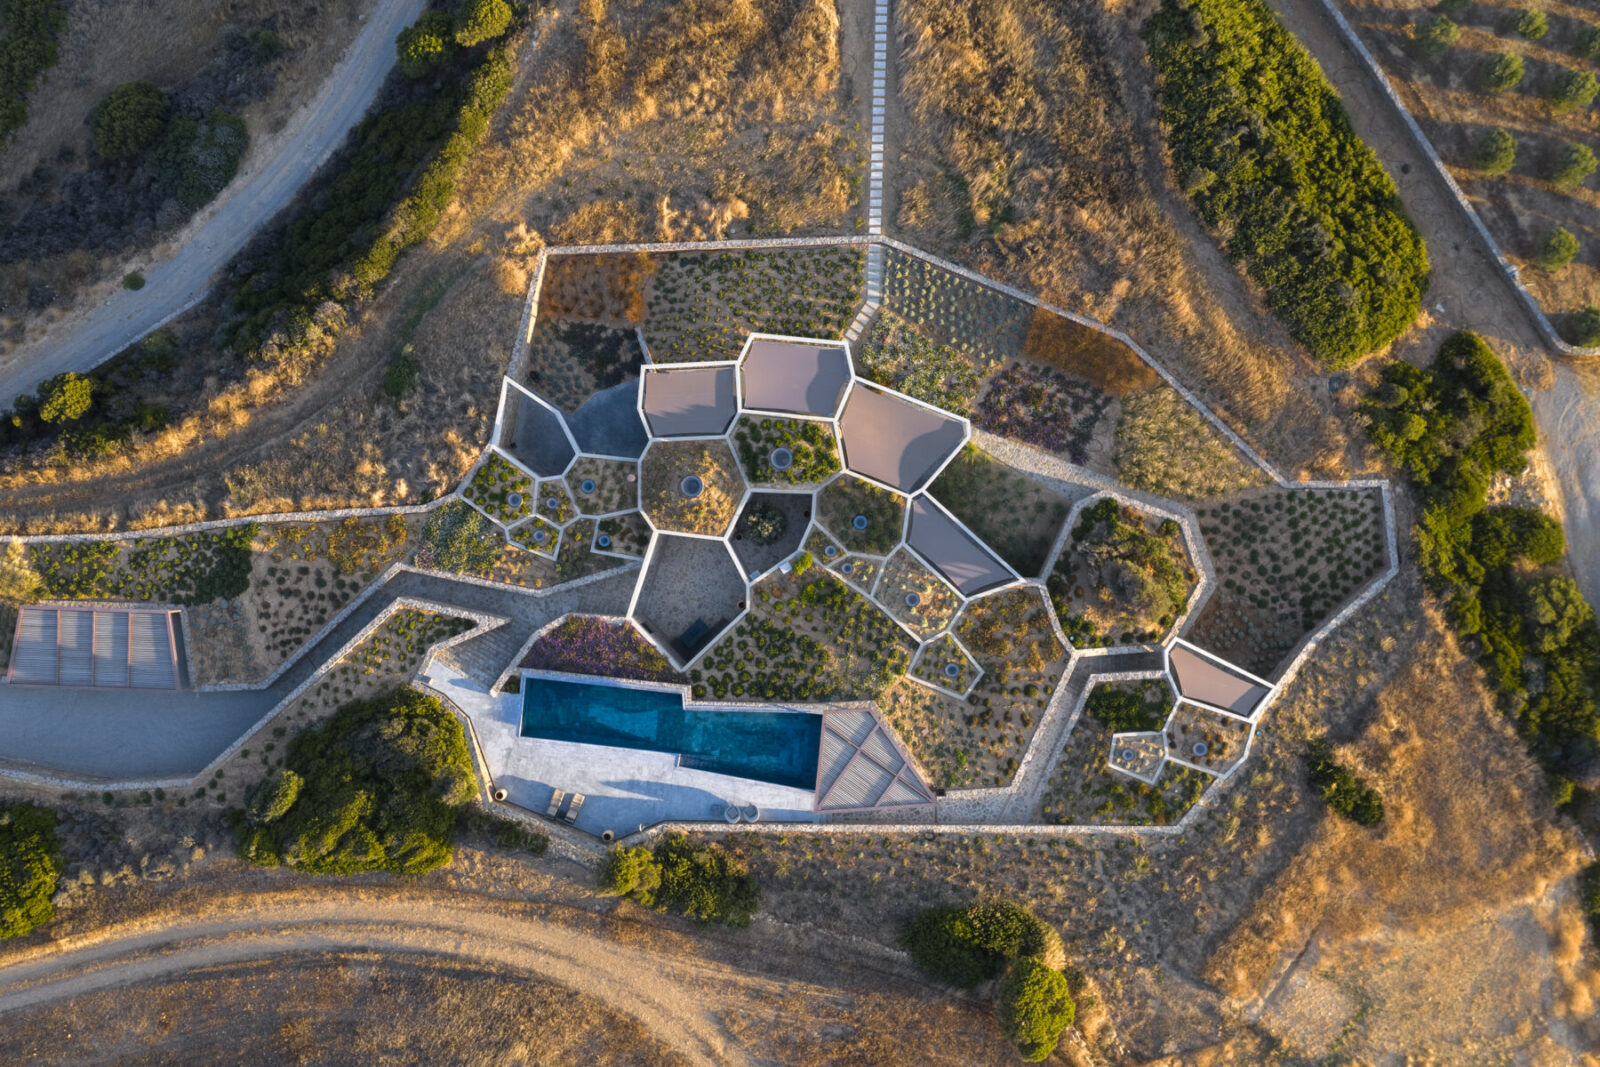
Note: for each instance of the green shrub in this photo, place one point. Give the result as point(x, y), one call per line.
point(1557, 250)
point(1344, 793)
point(1122, 710)
point(382, 781)
point(402, 374)
point(1573, 89)
point(1435, 36)
point(27, 50)
point(963, 946)
point(1035, 1007)
point(631, 872)
point(133, 280)
point(1531, 24)
point(1504, 72)
point(265, 46)
point(30, 868)
point(1587, 43)
point(459, 539)
point(65, 398)
point(273, 797)
point(1584, 330)
point(764, 523)
point(1495, 152)
point(128, 120)
point(197, 158)
point(1270, 161)
point(425, 44)
point(1589, 895)
point(1573, 166)
point(1455, 8)
point(482, 20)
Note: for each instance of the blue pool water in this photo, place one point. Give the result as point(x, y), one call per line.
point(768, 746)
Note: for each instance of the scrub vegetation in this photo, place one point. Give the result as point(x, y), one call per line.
point(1123, 578)
point(193, 568)
point(31, 864)
point(1017, 516)
point(696, 879)
point(1298, 198)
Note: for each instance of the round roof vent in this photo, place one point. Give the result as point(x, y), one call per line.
point(604, 540)
point(859, 522)
point(781, 459)
point(952, 670)
point(1200, 748)
point(913, 599)
point(691, 486)
point(514, 500)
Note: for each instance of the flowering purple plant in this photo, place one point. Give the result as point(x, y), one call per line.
point(1042, 407)
point(584, 644)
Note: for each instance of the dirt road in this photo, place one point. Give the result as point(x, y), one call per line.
point(652, 987)
point(272, 174)
point(1468, 291)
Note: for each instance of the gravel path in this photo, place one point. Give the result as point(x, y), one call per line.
point(272, 175)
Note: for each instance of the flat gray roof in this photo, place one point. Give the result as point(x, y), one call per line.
point(1209, 682)
point(689, 401)
point(963, 560)
point(895, 441)
point(793, 376)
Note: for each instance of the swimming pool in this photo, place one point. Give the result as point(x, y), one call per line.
point(768, 746)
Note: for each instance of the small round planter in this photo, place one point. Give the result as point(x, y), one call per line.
point(1128, 755)
point(847, 567)
point(513, 501)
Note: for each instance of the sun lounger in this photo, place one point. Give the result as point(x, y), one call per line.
point(555, 803)
point(575, 807)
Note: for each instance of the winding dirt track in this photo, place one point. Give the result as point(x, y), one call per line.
point(673, 996)
point(271, 177)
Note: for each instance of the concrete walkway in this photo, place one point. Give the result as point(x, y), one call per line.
point(142, 734)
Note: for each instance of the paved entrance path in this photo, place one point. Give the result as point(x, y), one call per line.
point(127, 734)
point(1467, 289)
point(271, 179)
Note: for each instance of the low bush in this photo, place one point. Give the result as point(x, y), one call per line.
point(128, 120)
point(1573, 166)
point(764, 523)
point(65, 398)
point(1035, 1007)
point(28, 49)
point(1531, 24)
point(133, 280)
point(1584, 330)
point(1435, 36)
point(1557, 250)
point(1344, 793)
point(502, 832)
point(1265, 150)
point(1587, 44)
point(1495, 152)
point(425, 44)
point(402, 375)
point(1503, 73)
point(701, 881)
point(963, 946)
point(381, 784)
point(1124, 710)
point(1455, 8)
point(482, 20)
point(30, 868)
point(1573, 89)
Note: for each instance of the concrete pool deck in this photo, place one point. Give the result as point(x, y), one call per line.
point(626, 790)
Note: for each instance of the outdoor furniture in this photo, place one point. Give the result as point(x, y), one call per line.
point(555, 803)
point(575, 807)
point(730, 814)
point(750, 812)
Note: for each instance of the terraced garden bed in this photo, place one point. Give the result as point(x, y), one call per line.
point(537, 536)
point(1124, 577)
point(568, 362)
point(1285, 560)
point(916, 596)
point(501, 490)
point(553, 502)
point(1166, 447)
point(812, 451)
point(1042, 407)
point(898, 354)
point(192, 569)
point(603, 486)
point(859, 571)
point(702, 305)
point(1207, 738)
point(1010, 512)
point(945, 664)
point(808, 637)
point(844, 503)
point(672, 502)
point(584, 644)
point(1084, 791)
point(629, 534)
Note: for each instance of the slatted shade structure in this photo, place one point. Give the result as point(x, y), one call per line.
point(99, 647)
point(860, 765)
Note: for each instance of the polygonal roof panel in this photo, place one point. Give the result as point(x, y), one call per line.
point(689, 401)
point(1215, 682)
point(963, 560)
point(796, 377)
point(895, 440)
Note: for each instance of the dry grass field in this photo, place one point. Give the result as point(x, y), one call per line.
point(1030, 151)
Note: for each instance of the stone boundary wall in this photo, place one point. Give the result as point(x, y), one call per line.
point(1534, 310)
point(223, 524)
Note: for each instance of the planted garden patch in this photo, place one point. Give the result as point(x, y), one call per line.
point(862, 516)
point(898, 354)
point(568, 362)
point(629, 534)
point(691, 486)
point(1041, 407)
point(1285, 560)
point(786, 452)
point(981, 323)
point(1166, 447)
point(916, 596)
point(943, 663)
point(1012, 513)
point(501, 490)
point(1084, 791)
point(584, 644)
point(603, 486)
point(1123, 578)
